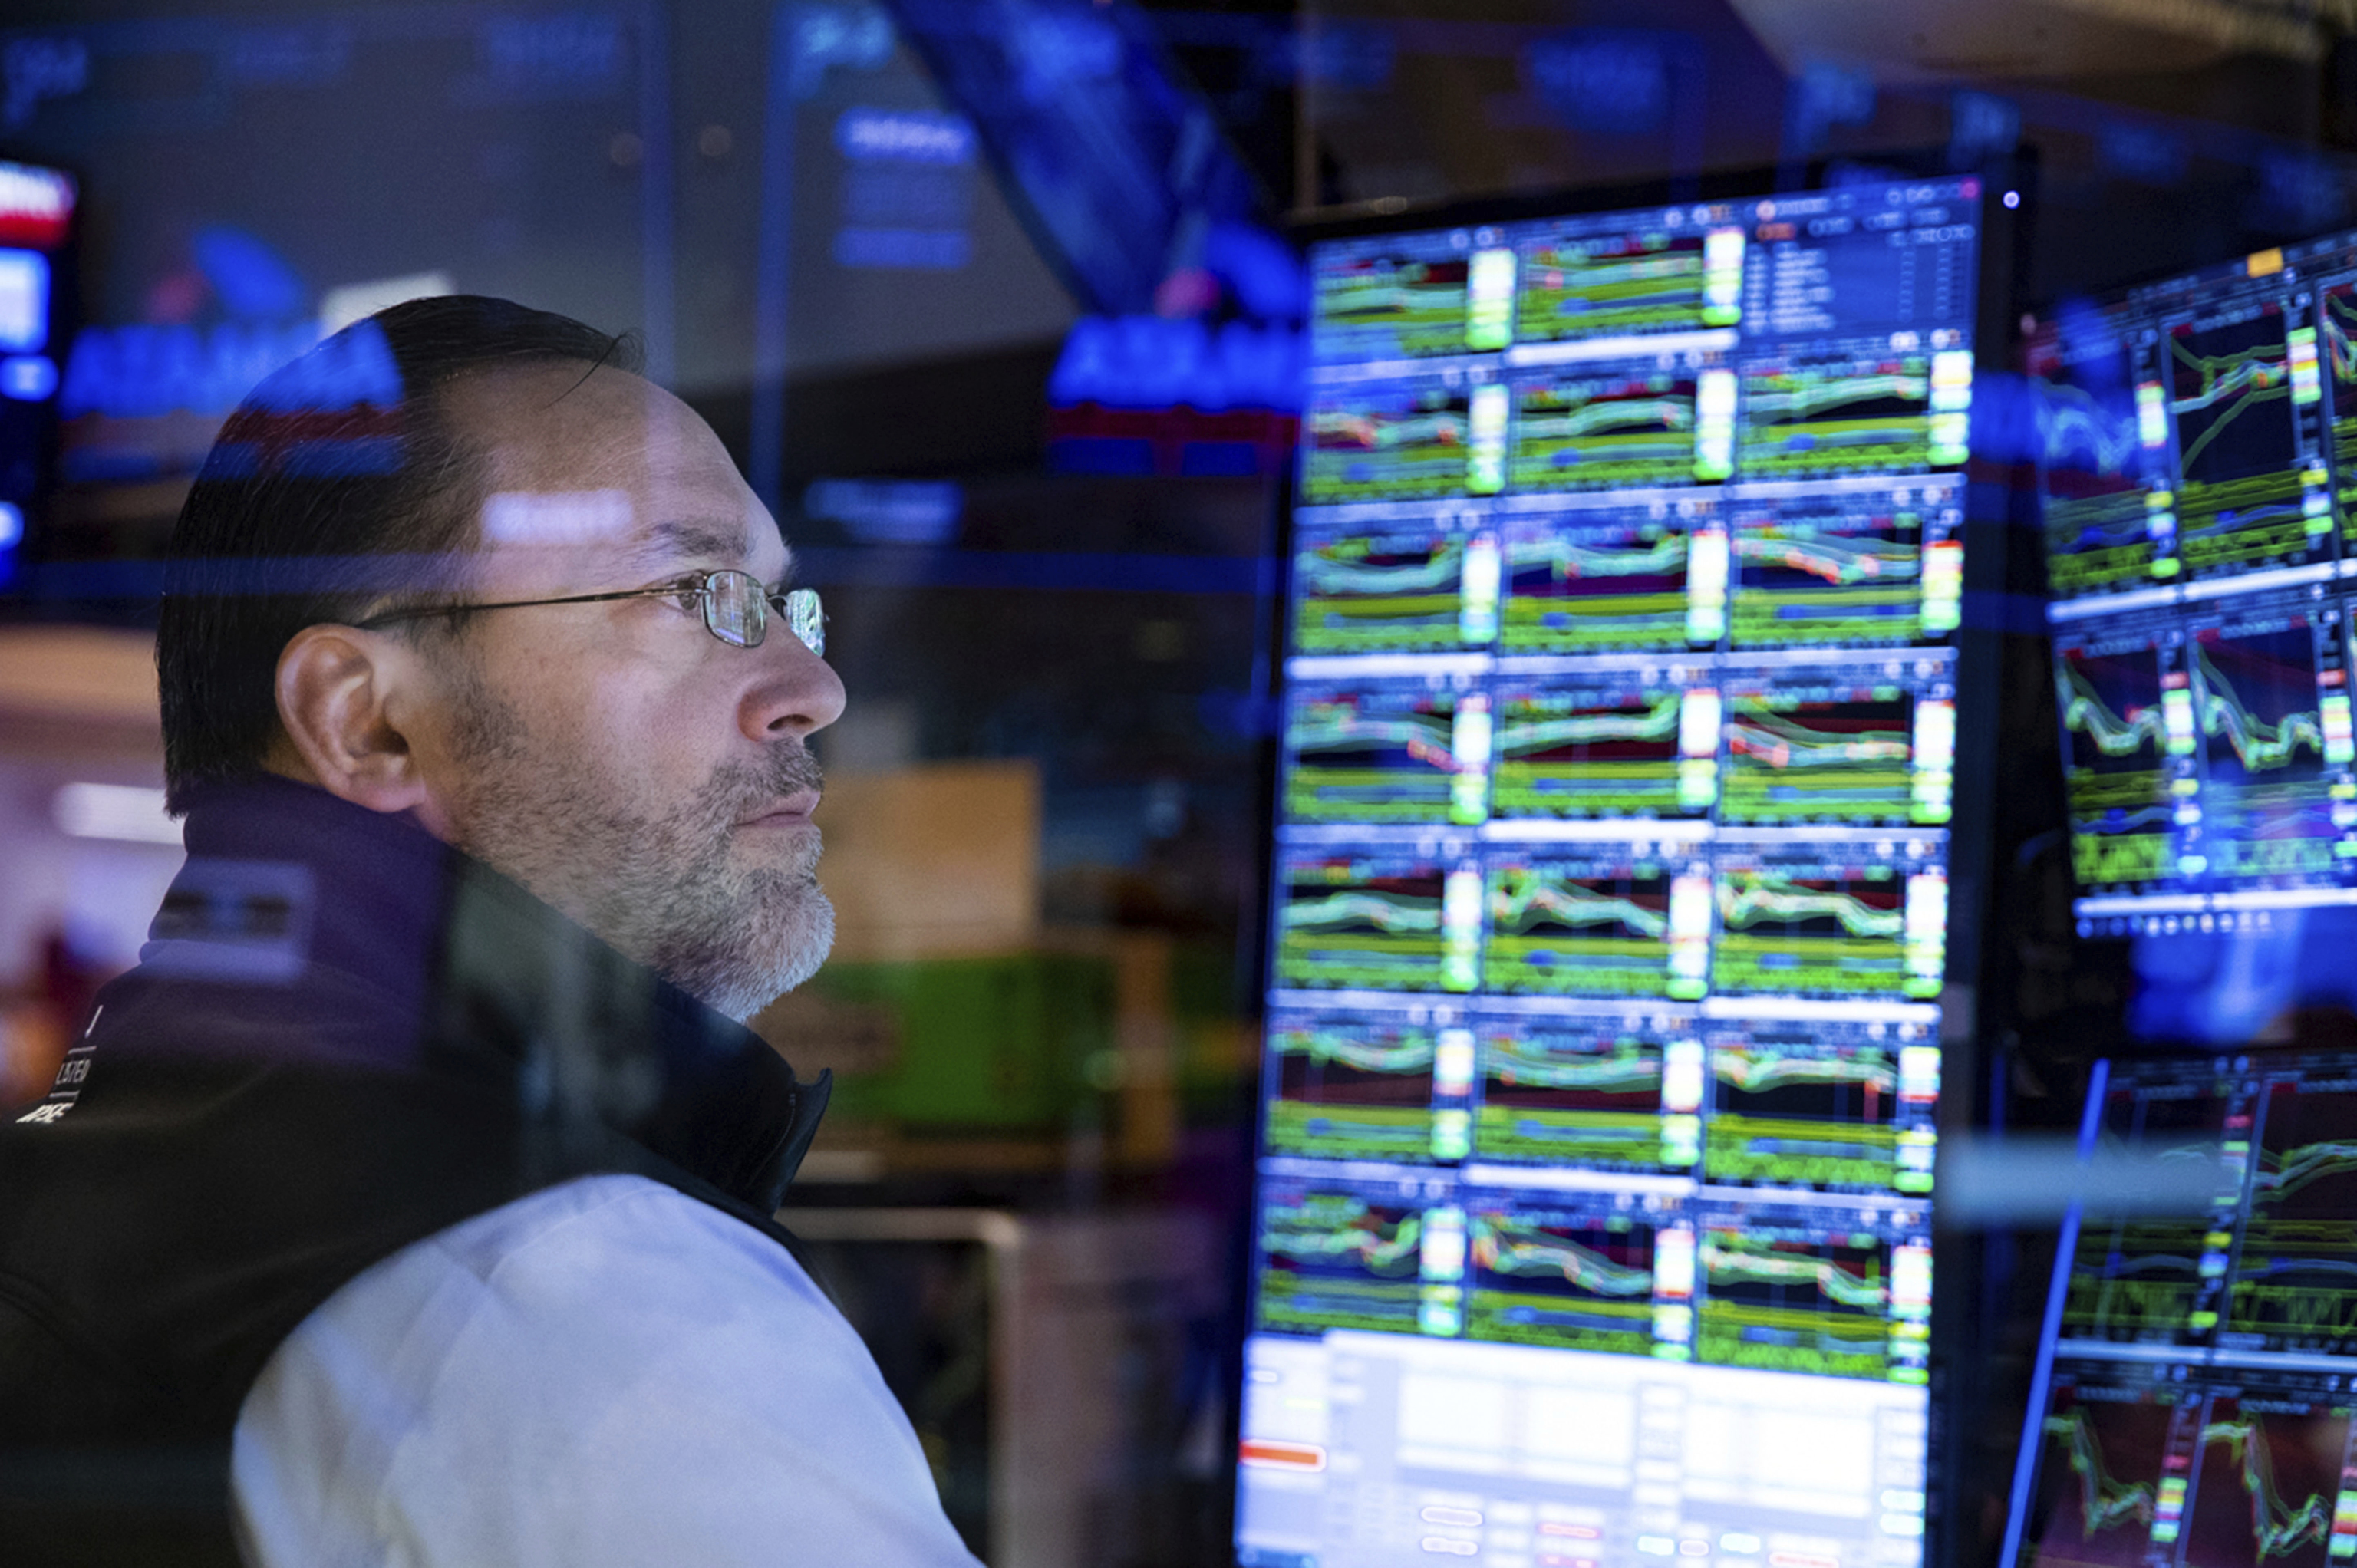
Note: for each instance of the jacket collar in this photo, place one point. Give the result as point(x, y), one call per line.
point(306, 929)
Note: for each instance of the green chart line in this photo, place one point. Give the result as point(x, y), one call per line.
point(1657, 722)
point(1324, 574)
point(2255, 379)
point(1506, 1251)
point(1409, 1053)
point(2105, 1502)
point(1746, 1264)
point(1518, 903)
point(1745, 899)
point(1665, 557)
point(1756, 1072)
point(2277, 1527)
point(1364, 909)
point(2084, 710)
point(2259, 745)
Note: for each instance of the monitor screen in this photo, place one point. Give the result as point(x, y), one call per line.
point(2200, 472)
point(2198, 1370)
point(1610, 890)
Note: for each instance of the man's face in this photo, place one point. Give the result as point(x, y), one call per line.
point(642, 776)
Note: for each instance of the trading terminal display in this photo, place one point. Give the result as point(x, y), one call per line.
point(1610, 900)
point(2200, 1378)
point(2201, 500)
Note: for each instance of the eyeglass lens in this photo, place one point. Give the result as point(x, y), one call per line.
point(737, 611)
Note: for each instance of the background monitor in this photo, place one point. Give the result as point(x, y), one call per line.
point(2198, 1369)
point(2200, 476)
point(1612, 903)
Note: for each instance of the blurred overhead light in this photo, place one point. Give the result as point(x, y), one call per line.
point(1917, 41)
point(125, 811)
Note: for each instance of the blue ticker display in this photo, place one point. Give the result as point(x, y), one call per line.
point(1609, 904)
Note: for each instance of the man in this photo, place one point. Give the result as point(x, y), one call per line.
point(409, 1203)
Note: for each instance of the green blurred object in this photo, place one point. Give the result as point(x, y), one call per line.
point(998, 1044)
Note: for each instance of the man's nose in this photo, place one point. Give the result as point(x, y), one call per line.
point(795, 691)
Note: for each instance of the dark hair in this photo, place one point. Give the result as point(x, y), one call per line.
point(337, 487)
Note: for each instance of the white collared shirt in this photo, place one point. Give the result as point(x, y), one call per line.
point(606, 1372)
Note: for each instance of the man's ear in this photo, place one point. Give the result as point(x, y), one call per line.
point(336, 687)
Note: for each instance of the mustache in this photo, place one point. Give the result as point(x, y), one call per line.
point(789, 770)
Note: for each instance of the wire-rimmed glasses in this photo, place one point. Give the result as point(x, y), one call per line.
point(736, 608)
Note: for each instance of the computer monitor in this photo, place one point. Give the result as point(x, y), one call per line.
point(2197, 1371)
point(2200, 480)
point(1630, 706)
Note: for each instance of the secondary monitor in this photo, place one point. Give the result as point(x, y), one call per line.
point(1626, 685)
point(2197, 1370)
point(2200, 501)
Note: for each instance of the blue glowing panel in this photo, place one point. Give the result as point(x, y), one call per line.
point(24, 301)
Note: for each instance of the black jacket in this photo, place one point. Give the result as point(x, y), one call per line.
point(345, 1036)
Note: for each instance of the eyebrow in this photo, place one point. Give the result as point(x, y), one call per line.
point(690, 539)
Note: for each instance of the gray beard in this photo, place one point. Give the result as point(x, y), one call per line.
point(660, 890)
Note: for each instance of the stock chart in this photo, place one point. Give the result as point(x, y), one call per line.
point(2267, 789)
point(2268, 1478)
point(1589, 586)
point(2199, 1402)
point(1578, 1278)
point(2294, 1279)
point(1611, 284)
point(1786, 1294)
point(1395, 589)
point(2240, 501)
point(2116, 765)
point(1820, 744)
point(1388, 751)
point(1590, 1091)
point(1373, 919)
point(1580, 432)
point(2103, 1469)
point(1808, 575)
point(1594, 924)
point(1410, 440)
point(2336, 320)
point(1604, 741)
point(1812, 415)
point(1796, 923)
point(1608, 897)
point(1335, 1261)
point(2108, 527)
point(1832, 1107)
point(1355, 1087)
point(1407, 301)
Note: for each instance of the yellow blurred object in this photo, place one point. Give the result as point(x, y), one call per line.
point(936, 861)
